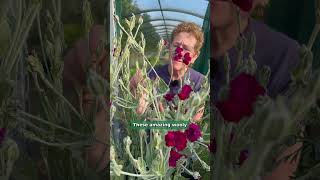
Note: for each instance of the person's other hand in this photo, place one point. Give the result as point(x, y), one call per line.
point(197, 117)
point(143, 104)
point(136, 79)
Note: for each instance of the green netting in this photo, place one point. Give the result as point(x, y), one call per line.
point(202, 63)
point(118, 9)
point(166, 16)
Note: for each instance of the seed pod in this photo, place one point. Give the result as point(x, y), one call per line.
point(140, 20)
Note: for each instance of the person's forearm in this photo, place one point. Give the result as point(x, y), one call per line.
point(97, 153)
point(198, 116)
point(286, 169)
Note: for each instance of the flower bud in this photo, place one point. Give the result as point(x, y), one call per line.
point(112, 153)
point(34, 64)
point(158, 140)
point(140, 20)
point(196, 100)
point(127, 141)
point(13, 150)
point(196, 175)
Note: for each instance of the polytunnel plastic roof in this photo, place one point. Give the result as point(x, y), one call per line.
point(167, 14)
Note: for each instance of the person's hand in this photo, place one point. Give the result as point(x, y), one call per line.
point(136, 79)
point(285, 169)
point(97, 155)
point(197, 117)
point(143, 104)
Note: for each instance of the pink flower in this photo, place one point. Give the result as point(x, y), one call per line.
point(213, 145)
point(243, 93)
point(176, 139)
point(169, 96)
point(174, 157)
point(187, 58)
point(165, 42)
point(179, 50)
point(244, 154)
point(2, 134)
point(193, 132)
point(185, 92)
point(244, 5)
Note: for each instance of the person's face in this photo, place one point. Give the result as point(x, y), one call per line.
point(222, 13)
point(187, 42)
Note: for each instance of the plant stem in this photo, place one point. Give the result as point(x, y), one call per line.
point(313, 36)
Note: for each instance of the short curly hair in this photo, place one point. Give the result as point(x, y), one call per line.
point(192, 28)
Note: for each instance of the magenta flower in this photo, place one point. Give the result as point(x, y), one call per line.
point(176, 139)
point(180, 140)
point(169, 96)
point(243, 93)
point(185, 92)
point(187, 58)
point(193, 132)
point(169, 138)
point(179, 50)
point(244, 5)
point(177, 57)
point(174, 157)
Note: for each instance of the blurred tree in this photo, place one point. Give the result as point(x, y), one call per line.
point(127, 8)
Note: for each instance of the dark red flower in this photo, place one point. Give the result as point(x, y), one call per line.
point(180, 140)
point(2, 134)
point(179, 50)
point(243, 93)
point(177, 57)
point(187, 58)
point(176, 139)
point(193, 132)
point(185, 92)
point(244, 5)
point(169, 96)
point(174, 157)
point(213, 145)
point(169, 138)
point(244, 154)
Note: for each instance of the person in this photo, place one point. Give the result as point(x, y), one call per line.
point(81, 56)
point(273, 49)
point(187, 38)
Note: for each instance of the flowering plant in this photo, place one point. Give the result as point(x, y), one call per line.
point(252, 130)
point(153, 153)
